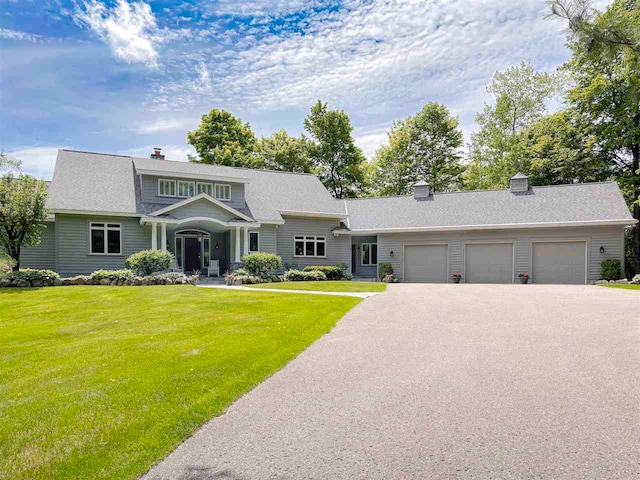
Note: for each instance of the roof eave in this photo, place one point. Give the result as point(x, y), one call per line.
point(190, 175)
point(444, 228)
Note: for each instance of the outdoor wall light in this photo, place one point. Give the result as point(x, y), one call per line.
point(217, 246)
point(391, 253)
point(601, 249)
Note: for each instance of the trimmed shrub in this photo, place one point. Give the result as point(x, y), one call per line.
point(147, 262)
point(261, 264)
point(332, 273)
point(314, 276)
point(111, 275)
point(636, 280)
point(384, 269)
point(610, 269)
point(294, 276)
point(243, 279)
point(30, 275)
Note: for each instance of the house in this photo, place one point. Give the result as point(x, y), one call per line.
point(106, 207)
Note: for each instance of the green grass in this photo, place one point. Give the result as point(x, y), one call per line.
point(614, 285)
point(328, 286)
point(102, 382)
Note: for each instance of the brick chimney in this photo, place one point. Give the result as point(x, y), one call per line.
point(156, 155)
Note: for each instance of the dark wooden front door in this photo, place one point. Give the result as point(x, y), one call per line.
point(354, 257)
point(191, 255)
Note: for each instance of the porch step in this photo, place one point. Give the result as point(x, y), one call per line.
point(211, 281)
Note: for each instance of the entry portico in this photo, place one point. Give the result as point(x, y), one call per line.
point(206, 220)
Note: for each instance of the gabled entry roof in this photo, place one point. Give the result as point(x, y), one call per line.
point(201, 197)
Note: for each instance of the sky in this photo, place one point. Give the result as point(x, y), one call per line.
point(124, 76)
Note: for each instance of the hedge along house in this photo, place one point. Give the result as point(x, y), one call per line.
point(106, 207)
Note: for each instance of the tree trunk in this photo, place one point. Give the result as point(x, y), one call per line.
point(635, 151)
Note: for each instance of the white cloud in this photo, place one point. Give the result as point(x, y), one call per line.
point(253, 8)
point(369, 140)
point(171, 152)
point(129, 28)
point(36, 161)
point(165, 125)
point(9, 34)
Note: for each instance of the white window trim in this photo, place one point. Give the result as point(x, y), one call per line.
point(315, 241)
point(205, 183)
point(258, 234)
point(105, 229)
point(178, 189)
point(225, 186)
point(362, 264)
point(175, 187)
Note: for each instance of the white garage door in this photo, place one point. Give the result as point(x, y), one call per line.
point(425, 263)
point(488, 263)
point(559, 262)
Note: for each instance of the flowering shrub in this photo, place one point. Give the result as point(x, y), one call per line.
point(523, 275)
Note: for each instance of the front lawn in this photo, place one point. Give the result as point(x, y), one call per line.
point(102, 382)
point(615, 285)
point(327, 286)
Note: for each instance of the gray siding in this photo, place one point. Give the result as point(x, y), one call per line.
point(267, 240)
point(44, 254)
point(72, 241)
point(202, 208)
point(361, 270)
point(149, 188)
point(338, 248)
point(611, 238)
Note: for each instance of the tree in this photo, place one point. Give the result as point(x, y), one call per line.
point(223, 139)
point(424, 146)
point(521, 95)
point(22, 213)
point(605, 68)
point(336, 158)
point(8, 163)
point(281, 151)
point(560, 148)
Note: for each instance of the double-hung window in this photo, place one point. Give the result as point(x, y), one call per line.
point(166, 188)
point(254, 242)
point(222, 191)
point(185, 189)
point(106, 238)
point(307, 246)
point(205, 188)
point(369, 254)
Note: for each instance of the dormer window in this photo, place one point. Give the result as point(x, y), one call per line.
point(205, 188)
point(166, 188)
point(186, 189)
point(222, 191)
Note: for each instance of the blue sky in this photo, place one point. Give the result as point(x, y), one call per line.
point(124, 76)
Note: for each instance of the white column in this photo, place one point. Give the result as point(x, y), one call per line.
point(246, 240)
point(237, 260)
point(154, 236)
point(163, 237)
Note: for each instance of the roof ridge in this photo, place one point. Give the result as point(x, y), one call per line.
point(96, 153)
point(487, 190)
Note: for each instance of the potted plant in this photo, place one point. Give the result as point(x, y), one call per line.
point(456, 277)
point(524, 278)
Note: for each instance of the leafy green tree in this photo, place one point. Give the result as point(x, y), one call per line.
point(605, 69)
point(8, 163)
point(424, 146)
point(223, 139)
point(281, 151)
point(494, 152)
point(560, 148)
point(22, 213)
point(336, 158)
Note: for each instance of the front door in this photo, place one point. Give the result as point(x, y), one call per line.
point(191, 255)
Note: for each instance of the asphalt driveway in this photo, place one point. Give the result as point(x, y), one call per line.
point(444, 381)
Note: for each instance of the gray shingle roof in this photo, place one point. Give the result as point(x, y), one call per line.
point(106, 183)
point(563, 203)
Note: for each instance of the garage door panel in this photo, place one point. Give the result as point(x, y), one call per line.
point(488, 263)
point(425, 263)
point(559, 262)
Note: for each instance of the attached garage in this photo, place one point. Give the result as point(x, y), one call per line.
point(425, 263)
point(559, 262)
point(488, 263)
